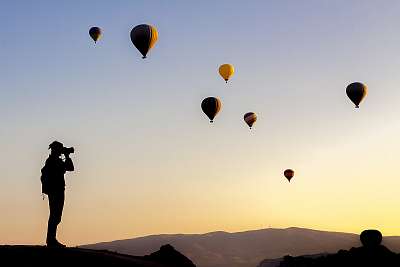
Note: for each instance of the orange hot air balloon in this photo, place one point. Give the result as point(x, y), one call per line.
point(289, 173)
point(211, 106)
point(356, 92)
point(95, 33)
point(226, 71)
point(250, 118)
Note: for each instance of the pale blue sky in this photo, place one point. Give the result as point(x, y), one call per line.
point(139, 131)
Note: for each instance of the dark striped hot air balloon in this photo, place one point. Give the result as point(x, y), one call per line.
point(144, 38)
point(250, 118)
point(289, 173)
point(95, 33)
point(211, 106)
point(356, 92)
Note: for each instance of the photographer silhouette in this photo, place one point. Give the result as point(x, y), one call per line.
point(53, 184)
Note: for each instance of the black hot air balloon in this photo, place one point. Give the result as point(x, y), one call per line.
point(211, 106)
point(95, 33)
point(144, 38)
point(289, 173)
point(356, 92)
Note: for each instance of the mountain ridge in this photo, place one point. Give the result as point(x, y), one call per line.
point(246, 248)
point(223, 232)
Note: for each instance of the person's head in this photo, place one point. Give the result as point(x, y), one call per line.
point(56, 148)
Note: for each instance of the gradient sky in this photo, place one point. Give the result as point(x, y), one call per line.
point(147, 160)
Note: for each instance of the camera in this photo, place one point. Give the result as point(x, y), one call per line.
point(67, 150)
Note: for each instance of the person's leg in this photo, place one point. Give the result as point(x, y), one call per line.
point(58, 210)
point(51, 225)
point(56, 205)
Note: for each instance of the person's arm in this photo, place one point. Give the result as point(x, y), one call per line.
point(69, 165)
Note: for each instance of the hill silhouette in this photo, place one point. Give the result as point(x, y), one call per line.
point(167, 256)
point(243, 249)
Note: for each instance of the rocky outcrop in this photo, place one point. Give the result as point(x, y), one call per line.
point(42, 256)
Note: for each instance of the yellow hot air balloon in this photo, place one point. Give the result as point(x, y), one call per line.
point(226, 71)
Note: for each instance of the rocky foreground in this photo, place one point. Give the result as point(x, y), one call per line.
point(42, 256)
point(371, 254)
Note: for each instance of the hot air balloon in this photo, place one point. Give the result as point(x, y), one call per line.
point(356, 92)
point(289, 173)
point(144, 37)
point(250, 118)
point(211, 106)
point(226, 71)
point(95, 33)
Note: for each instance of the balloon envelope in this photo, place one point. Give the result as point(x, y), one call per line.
point(250, 118)
point(211, 106)
point(289, 173)
point(226, 71)
point(356, 92)
point(95, 33)
point(144, 37)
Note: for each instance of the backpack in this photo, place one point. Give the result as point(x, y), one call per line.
point(45, 179)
